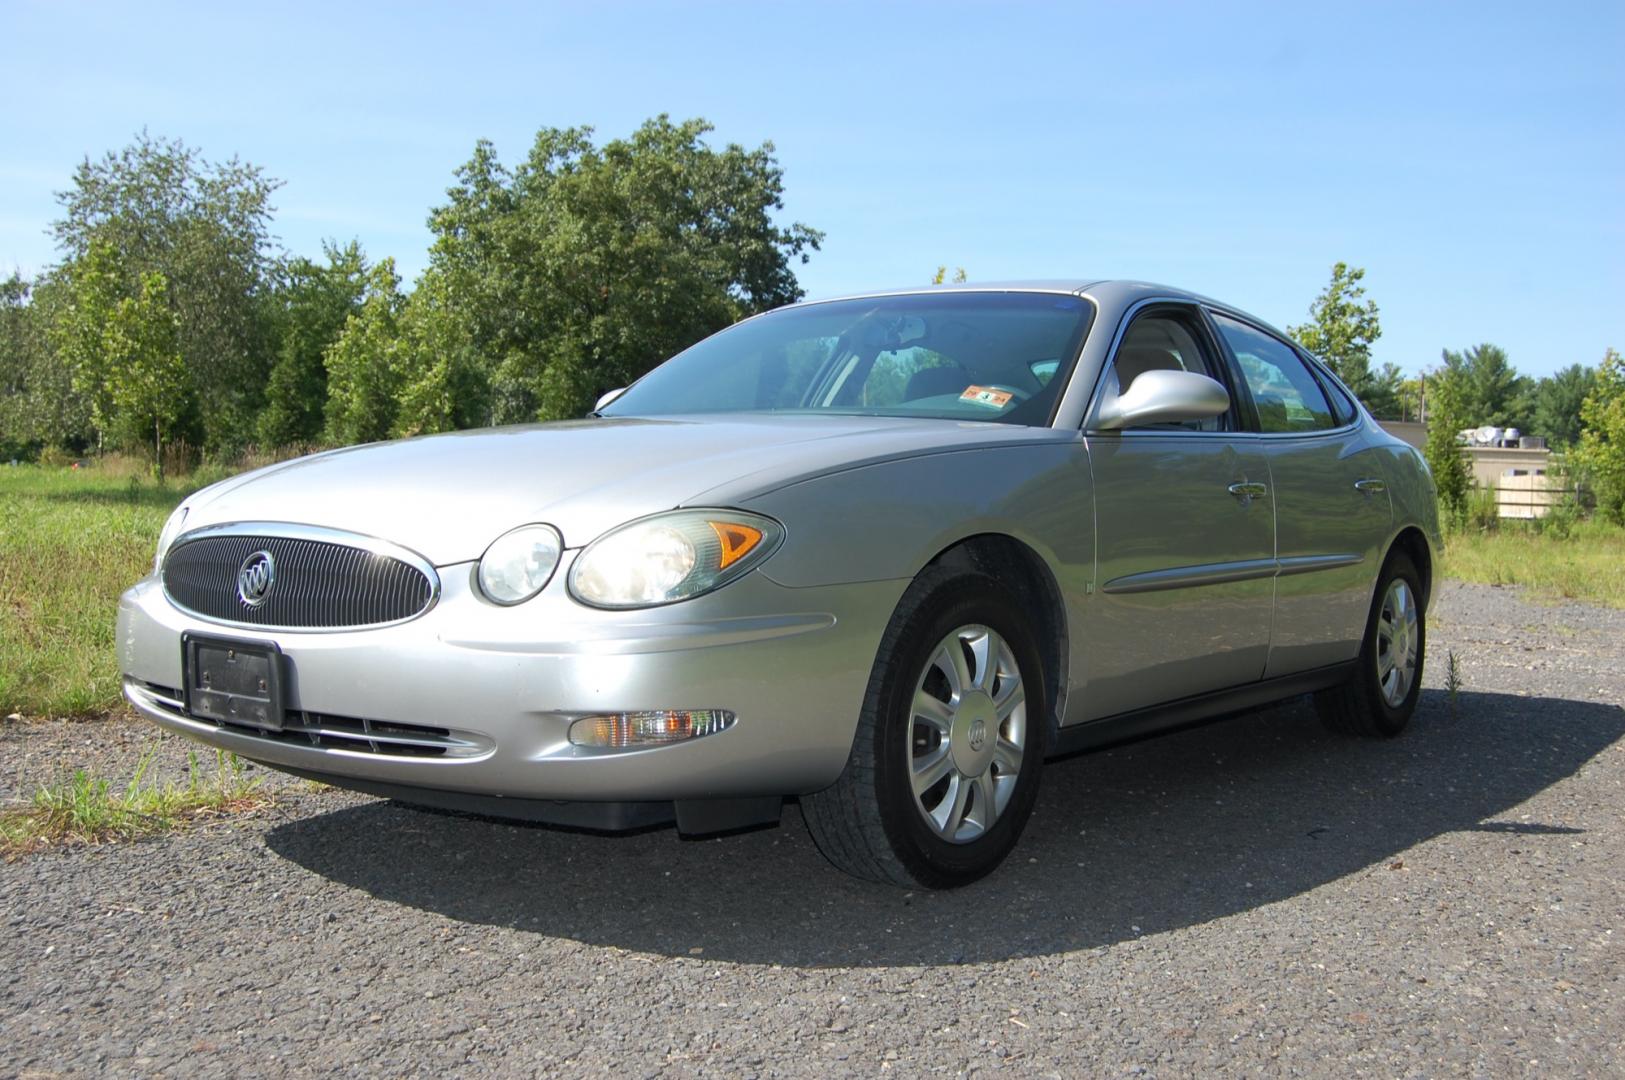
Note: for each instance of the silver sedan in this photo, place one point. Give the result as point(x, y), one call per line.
point(886, 554)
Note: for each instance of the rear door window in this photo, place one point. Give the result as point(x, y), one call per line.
point(1285, 392)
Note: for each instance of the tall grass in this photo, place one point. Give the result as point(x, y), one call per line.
point(70, 541)
point(1583, 561)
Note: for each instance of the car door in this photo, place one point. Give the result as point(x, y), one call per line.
point(1185, 536)
point(1332, 511)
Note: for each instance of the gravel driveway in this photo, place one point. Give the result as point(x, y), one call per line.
point(1251, 896)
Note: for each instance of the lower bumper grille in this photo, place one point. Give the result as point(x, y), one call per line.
point(324, 731)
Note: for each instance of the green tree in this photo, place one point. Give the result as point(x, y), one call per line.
point(123, 350)
point(92, 286)
point(314, 301)
point(364, 366)
point(205, 227)
point(1492, 390)
point(148, 378)
point(941, 276)
point(586, 265)
point(444, 387)
point(1445, 418)
point(1410, 397)
point(1341, 331)
point(1558, 401)
point(38, 404)
point(1601, 453)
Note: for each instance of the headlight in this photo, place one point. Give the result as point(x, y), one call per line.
point(519, 563)
point(671, 557)
point(166, 537)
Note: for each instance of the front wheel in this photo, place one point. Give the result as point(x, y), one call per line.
point(944, 767)
point(1381, 695)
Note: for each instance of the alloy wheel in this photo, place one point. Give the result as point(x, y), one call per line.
point(967, 733)
point(1397, 636)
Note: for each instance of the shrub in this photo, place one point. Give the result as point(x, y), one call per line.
point(1601, 452)
point(1444, 455)
point(1481, 512)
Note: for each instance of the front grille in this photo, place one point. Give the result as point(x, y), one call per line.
point(326, 732)
point(318, 584)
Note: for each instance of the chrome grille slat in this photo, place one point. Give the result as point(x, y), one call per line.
point(325, 580)
point(327, 732)
point(392, 740)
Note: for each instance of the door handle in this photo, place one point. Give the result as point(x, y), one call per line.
point(1370, 487)
point(1246, 492)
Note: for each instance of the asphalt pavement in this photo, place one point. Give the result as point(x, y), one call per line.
point(1252, 896)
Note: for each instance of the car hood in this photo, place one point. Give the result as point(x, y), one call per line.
point(448, 496)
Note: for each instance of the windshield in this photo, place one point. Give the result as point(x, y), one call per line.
point(955, 356)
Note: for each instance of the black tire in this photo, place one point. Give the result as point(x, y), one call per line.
point(1359, 706)
point(869, 823)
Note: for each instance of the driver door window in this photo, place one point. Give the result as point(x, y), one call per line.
point(1165, 341)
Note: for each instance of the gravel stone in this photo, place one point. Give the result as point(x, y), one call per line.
point(1252, 896)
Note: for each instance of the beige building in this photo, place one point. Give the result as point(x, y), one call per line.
point(1521, 478)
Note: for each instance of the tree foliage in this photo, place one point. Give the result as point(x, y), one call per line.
point(569, 274)
point(1492, 390)
point(123, 349)
point(1341, 330)
point(1446, 416)
point(1601, 452)
point(312, 303)
point(584, 266)
point(158, 206)
point(1558, 399)
point(38, 403)
point(147, 376)
point(364, 366)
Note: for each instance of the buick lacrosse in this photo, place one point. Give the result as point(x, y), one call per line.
point(884, 554)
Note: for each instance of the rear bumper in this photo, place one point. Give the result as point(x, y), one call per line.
point(495, 689)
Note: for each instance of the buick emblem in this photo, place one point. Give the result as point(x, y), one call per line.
point(255, 578)
point(978, 736)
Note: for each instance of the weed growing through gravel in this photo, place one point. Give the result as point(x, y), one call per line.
point(87, 810)
point(1452, 679)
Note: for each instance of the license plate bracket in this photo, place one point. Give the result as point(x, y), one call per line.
point(229, 681)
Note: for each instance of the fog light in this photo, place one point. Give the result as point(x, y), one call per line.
point(625, 731)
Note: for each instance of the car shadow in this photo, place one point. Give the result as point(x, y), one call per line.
point(1155, 836)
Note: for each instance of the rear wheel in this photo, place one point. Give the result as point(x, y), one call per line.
point(1381, 695)
point(944, 767)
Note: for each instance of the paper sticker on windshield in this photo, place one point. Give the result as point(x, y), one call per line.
point(982, 395)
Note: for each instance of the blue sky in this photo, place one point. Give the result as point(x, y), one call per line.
point(1470, 156)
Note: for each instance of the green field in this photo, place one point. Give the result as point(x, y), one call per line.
point(72, 539)
point(1588, 564)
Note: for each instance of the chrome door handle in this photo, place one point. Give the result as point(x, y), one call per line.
point(1370, 487)
point(1247, 492)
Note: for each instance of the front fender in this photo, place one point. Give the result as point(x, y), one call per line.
point(887, 521)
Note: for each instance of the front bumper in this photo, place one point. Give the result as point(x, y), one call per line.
point(504, 684)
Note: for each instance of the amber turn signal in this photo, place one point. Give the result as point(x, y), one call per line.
point(737, 541)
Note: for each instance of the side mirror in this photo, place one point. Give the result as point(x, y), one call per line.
point(609, 397)
point(1161, 397)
